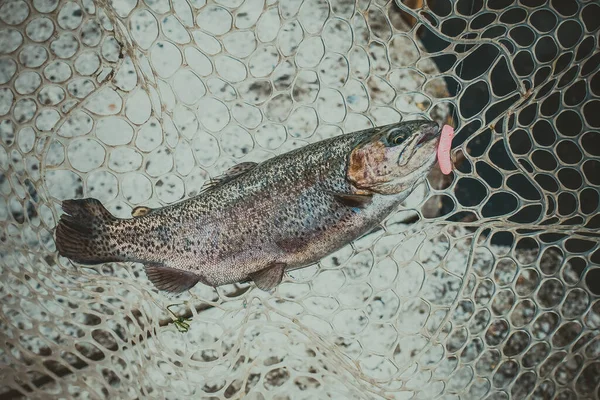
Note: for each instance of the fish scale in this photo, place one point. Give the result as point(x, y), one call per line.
point(258, 220)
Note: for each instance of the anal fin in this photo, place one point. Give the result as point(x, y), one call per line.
point(268, 278)
point(171, 279)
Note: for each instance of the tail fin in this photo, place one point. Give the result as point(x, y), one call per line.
point(83, 234)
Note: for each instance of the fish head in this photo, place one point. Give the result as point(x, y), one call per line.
point(393, 158)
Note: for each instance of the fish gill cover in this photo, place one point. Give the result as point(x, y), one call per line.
point(485, 285)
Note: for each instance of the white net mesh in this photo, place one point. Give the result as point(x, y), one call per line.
point(486, 285)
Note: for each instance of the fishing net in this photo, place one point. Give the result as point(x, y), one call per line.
point(485, 284)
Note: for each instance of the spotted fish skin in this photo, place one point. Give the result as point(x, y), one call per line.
point(260, 220)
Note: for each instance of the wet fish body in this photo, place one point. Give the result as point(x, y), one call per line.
point(259, 220)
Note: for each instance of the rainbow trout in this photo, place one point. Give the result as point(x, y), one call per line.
point(258, 220)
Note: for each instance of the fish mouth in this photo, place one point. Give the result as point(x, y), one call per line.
point(429, 132)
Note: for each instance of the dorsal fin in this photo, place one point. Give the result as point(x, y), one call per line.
point(230, 174)
point(140, 211)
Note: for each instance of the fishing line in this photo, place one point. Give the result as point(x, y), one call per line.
point(462, 66)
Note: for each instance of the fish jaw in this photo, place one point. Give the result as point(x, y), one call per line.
point(395, 158)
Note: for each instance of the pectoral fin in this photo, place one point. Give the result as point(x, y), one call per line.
point(267, 278)
point(230, 174)
point(140, 211)
point(353, 200)
point(171, 279)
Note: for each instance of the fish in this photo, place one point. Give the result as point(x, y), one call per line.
point(257, 221)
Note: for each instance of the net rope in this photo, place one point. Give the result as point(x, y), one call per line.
point(485, 285)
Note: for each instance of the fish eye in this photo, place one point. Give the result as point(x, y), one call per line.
point(397, 140)
point(396, 137)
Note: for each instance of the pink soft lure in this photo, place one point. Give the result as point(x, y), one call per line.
point(443, 150)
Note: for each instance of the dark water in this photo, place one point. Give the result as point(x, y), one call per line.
point(476, 67)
